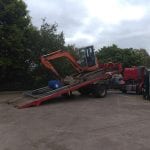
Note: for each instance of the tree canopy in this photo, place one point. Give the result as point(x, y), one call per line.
point(127, 56)
point(14, 23)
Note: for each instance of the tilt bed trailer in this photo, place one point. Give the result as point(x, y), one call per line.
point(91, 78)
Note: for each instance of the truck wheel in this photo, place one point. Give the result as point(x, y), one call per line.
point(86, 90)
point(100, 91)
point(124, 91)
point(138, 91)
point(83, 91)
point(146, 97)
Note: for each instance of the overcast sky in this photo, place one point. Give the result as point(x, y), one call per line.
point(97, 22)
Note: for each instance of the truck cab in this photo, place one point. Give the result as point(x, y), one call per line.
point(134, 78)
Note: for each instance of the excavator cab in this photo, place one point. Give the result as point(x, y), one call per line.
point(87, 56)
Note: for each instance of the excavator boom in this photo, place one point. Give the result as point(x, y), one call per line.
point(46, 61)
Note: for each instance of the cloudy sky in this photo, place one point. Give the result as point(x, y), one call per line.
point(97, 22)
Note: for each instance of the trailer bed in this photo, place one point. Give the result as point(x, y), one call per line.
point(38, 96)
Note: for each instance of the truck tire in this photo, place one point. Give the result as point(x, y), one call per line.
point(83, 91)
point(146, 97)
point(86, 90)
point(138, 92)
point(100, 91)
point(124, 91)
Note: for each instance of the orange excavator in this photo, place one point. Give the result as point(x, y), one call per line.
point(86, 63)
point(91, 77)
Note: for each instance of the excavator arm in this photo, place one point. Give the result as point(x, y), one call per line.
point(88, 61)
point(45, 60)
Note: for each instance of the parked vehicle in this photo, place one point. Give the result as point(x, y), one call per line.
point(133, 79)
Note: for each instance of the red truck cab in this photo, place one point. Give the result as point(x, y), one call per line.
point(134, 78)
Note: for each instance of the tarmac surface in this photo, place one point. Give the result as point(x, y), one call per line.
point(116, 122)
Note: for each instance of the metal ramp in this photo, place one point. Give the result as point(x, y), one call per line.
point(41, 92)
point(36, 97)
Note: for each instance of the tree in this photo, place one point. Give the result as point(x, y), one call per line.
point(22, 44)
point(40, 42)
point(128, 56)
point(110, 53)
point(14, 23)
point(145, 57)
point(51, 40)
